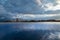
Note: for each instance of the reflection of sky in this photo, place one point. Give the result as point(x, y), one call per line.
point(29, 29)
point(7, 28)
point(15, 8)
point(30, 26)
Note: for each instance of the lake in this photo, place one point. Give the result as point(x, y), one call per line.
point(30, 31)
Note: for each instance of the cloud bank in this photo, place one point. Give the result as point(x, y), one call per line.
point(36, 16)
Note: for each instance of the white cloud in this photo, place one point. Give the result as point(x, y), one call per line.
point(58, 1)
point(34, 15)
point(50, 6)
point(38, 2)
point(23, 15)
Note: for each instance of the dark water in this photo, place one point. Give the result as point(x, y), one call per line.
point(30, 31)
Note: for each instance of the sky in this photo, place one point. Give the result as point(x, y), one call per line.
point(30, 9)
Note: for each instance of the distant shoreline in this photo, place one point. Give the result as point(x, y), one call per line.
point(19, 20)
point(30, 23)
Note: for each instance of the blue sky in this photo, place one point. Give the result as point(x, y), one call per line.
point(30, 9)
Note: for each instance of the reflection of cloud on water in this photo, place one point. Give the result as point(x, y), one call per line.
point(54, 36)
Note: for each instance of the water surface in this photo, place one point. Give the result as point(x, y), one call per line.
point(30, 31)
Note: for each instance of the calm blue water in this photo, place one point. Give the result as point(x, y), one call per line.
point(30, 31)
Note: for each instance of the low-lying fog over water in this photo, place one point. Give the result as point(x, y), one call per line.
point(30, 31)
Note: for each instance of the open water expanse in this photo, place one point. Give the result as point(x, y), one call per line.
point(30, 31)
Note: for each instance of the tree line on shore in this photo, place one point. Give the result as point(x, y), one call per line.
point(18, 20)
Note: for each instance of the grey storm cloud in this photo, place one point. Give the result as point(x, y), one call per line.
point(22, 6)
point(30, 6)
